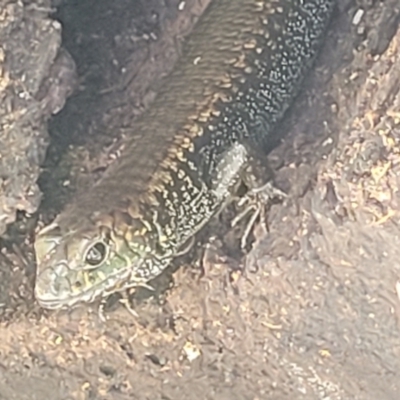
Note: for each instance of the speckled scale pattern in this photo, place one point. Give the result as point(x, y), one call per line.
point(258, 85)
point(240, 71)
point(212, 99)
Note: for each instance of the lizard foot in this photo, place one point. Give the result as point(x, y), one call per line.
point(255, 202)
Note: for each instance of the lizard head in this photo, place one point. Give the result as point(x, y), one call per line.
point(82, 265)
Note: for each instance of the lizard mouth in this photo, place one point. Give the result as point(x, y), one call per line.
point(59, 287)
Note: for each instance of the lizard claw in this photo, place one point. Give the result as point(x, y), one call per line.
point(255, 201)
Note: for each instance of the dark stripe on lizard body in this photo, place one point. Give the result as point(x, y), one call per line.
point(240, 71)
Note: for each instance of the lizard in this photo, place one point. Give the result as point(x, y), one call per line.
point(203, 136)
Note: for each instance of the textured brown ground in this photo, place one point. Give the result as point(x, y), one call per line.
point(315, 314)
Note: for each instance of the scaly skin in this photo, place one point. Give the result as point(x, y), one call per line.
point(240, 71)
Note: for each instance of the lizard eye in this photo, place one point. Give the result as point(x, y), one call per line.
point(96, 254)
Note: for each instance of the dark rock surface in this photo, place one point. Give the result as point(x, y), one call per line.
point(35, 79)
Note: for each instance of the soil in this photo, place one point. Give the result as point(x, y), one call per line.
point(311, 312)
